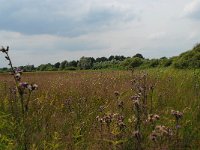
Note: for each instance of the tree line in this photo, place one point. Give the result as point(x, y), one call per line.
point(189, 59)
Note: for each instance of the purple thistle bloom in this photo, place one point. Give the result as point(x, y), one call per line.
point(23, 84)
point(18, 70)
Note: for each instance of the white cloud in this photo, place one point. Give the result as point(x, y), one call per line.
point(192, 9)
point(157, 35)
point(49, 31)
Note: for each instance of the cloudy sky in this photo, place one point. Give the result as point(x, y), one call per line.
point(42, 31)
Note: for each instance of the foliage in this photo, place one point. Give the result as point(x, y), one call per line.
point(85, 63)
point(189, 59)
point(132, 62)
point(106, 64)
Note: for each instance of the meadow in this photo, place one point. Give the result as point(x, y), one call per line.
point(140, 109)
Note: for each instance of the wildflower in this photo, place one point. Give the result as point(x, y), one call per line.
point(178, 115)
point(32, 87)
point(101, 108)
point(163, 130)
point(137, 135)
point(23, 85)
point(153, 118)
point(153, 136)
point(35, 86)
point(121, 104)
point(99, 119)
point(18, 76)
point(120, 118)
point(18, 70)
point(117, 93)
point(107, 119)
point(121, 125)
point(136, 99)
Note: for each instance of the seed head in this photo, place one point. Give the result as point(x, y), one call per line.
point(18, 76)
point(137, 135)
point(3, 50)
point(117, 93)
point(152, 118)
point(177, 114)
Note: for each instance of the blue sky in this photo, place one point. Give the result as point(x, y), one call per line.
point(55, 30)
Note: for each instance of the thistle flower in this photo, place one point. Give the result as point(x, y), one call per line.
point(152, 118)
point(18, 70)
point(3, 50)
point(23, 85)
point(153, 136)
point(160, 131)
point(101, 108)
point(107, 119)
point(137, 135)
point(177, 114)
point(136, 100)
point(99, 119)
point(117, 93)
point(32, 87)
point(121, 125)
point(120, 104)
point(18, 76)
point(163, 130)
point(120, 118)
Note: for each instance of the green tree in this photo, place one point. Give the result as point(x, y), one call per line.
point(63, 65)
point(85, 62)
point(136, 62)
point(57, 65)
point(73, 63)
point(139, 56)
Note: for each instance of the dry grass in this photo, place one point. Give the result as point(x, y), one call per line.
point(63, 110)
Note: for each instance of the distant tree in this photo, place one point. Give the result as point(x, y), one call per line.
point(111, 57)
point(154, 63)
point(106, 64)
point(63, 65)
point(120, 58)
point(41, 67)
point(4, 69)
point(132, 62)
point(101, 59)
point(46, 67)
point(73, 63)
point(66, 64)
point(165, 62)
point(85, 62)
point(139, 56)
point(92, 59)
point(136, 62)
point(57, 65)
point(28, 68)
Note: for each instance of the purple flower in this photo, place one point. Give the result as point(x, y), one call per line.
point(18, 70)
point(23, 84)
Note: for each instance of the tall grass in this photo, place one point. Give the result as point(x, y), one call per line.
point(139, 109)
point(80, 110)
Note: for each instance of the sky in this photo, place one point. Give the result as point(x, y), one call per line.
point(43, 31)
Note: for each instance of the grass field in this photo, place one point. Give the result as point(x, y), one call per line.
point(103, 110)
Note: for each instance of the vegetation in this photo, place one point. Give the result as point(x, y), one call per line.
point(154, 108)
point(186, 60)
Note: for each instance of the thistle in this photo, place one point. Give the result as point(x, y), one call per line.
point(21, 88)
